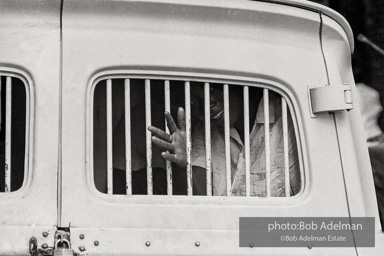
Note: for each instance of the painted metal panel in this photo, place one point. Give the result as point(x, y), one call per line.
point(195, 242)
point(130, 50)
point(357, 170)
point(194, 40)
point(29, 44)
point(30, 50)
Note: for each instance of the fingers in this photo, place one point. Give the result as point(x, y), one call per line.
point(181, 119)
point(163, 144)
point(170, 122)
point(159, 133)
point(169, 157)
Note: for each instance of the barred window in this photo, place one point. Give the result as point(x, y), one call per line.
point(13, 120)
point(218, 139)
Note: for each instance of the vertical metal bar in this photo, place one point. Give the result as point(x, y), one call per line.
point(8, 135)
point(246, 142)
point(207, 112)
point(187, 93)
point(109, 138)
point(267, 148)
point(128, 158)
point(1, 118)
point(227, 140)
point(148, 135)
point(167, 97)
point(285, 139)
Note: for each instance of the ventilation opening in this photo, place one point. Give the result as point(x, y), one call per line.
point(227, 140)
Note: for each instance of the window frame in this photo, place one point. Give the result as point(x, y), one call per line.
point(271, 85)
point(29, 127)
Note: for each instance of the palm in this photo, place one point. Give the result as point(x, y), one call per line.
point(174, 143)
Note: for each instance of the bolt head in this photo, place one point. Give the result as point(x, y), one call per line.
point(96, 243)
point(82, 248)
point(45, 246)
point(148, 243)
point(81, 236)
point(45, 234)
point(33, 239)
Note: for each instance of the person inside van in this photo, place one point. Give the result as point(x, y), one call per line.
point(174, 144)
point(138, 142)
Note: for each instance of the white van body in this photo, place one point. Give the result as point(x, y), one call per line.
point(59, 49)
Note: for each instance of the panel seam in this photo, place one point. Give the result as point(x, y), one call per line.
point(322, 49)
point(60, 121)
point(337, 132)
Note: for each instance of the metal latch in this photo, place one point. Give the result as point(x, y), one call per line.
point(330, 98)
point(33, 246)
point(62, 244)
point(45, 250)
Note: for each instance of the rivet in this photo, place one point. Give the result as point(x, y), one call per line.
point(251, 245)
point(45, 234)
point(82, 248)
point(96, 243)
point(81, 236)
point(197, 244)
point(148, 243)
point(45, 246)
point(309, 246)
point(33, 239)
